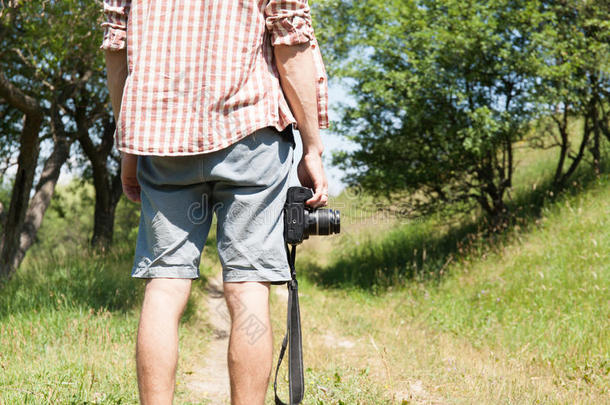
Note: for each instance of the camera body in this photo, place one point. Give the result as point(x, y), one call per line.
point(300, 220)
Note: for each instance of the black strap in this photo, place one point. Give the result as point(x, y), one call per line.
point(296, 381)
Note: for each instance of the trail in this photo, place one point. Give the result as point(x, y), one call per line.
point(211, 382)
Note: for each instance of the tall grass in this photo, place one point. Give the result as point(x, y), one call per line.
point(537, 291)
point(67, 330)
point(545, 293)
point(68, 318)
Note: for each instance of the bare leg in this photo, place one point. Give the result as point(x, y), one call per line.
point(157, 345)
point(250, 345)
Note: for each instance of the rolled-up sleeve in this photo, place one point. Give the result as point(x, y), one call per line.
point(116, 13)
point(288, 22)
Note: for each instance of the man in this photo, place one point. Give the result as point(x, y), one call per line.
point(205, 94)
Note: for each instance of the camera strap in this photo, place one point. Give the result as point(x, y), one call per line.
point(292, 340)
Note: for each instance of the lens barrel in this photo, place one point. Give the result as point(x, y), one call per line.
point(322, 222)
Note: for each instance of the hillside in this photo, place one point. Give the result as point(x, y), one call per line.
point(520, 320)
point(394, 311)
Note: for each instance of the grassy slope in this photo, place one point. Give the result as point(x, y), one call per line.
point(547, 290)
point(60, 339)
point(522, 320)
point(68, 326)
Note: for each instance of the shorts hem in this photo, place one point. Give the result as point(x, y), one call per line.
point(166, 272)
point(269, 275)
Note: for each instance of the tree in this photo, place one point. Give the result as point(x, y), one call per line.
point(51, 73)
point(24, 214)
point(105, 171)
point(443, 90)
point(575, 82)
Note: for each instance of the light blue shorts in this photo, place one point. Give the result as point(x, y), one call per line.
point(245, 184)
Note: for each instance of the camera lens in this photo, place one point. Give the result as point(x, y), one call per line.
point(322, 222)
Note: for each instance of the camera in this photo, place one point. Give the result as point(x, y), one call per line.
point(300, 220)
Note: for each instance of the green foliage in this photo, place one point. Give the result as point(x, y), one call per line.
point(574, 83)
point(127, 221)
point(444, 89)
point(576, 47)
point(68, 219)
point(47, 42)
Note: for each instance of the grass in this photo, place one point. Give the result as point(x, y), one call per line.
point(66, 331)
point(394, 312)
point(547, 291)
point(517, 317)
point(522, 321)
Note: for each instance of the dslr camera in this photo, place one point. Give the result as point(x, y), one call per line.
point(300, 220)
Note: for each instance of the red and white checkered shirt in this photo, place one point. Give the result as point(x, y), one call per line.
point(201, 73)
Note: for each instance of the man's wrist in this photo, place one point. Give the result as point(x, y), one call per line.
point(313, 150)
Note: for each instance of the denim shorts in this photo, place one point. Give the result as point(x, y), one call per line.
point(244, 184)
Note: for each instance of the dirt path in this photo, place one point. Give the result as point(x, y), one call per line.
point(210, 383)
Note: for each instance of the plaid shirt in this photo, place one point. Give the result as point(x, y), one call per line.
point(201, 74)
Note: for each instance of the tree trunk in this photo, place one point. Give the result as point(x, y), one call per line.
point(595, 150)
point(492, 189)
point(604, 122)
point(26, 168)
point(495, 208)
point(564, 146)
point(108, 188)
point(45, 188)
point(20, 195)
point(579, 155)
point(103, 227)
point(107, 195)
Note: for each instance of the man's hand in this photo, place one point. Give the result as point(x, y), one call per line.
point(310, 172)
point(129, 168)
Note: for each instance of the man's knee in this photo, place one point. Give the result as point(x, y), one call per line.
point(249, 296)
point(172, 293)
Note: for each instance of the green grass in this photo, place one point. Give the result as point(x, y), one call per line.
point(429, 311)
point(66, 331)
point(522, 318)
point(68, 326)
point(535, 294)
point(547, 291)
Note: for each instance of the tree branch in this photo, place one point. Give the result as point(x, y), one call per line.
point(17, 98)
